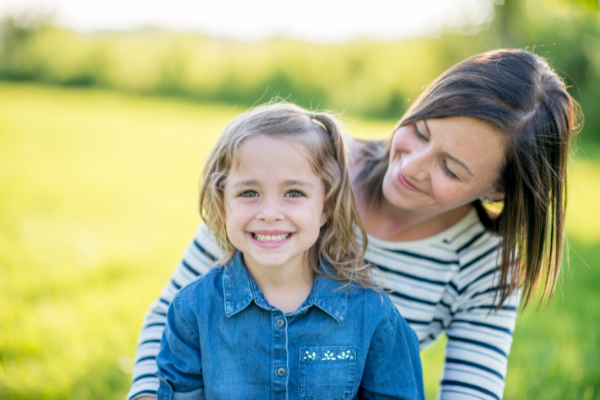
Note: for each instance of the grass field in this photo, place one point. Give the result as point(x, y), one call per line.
point(98, 200)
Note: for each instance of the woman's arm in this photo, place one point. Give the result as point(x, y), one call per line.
point(198, 258)
point(393, 366)
point(479, 338)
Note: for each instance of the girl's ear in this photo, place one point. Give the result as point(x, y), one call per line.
point(324, 217)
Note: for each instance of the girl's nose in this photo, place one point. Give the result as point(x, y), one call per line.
point(270, 211)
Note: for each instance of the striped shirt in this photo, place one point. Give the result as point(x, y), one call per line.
point(442, 283)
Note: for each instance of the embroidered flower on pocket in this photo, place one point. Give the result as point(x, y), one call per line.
point(345, 355)
point(330, 356)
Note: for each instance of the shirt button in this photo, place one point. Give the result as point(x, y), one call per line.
point(280, 323)
point(281, 371)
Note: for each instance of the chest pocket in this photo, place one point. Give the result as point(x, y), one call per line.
point(327, 373)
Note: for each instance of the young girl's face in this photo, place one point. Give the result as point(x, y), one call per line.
point(273, 203)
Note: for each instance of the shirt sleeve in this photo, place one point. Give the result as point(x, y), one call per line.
point(479, 336)
point(179, 360)
point(393, 366)
point(198, 258)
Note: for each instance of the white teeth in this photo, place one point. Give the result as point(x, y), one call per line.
point(271, 238)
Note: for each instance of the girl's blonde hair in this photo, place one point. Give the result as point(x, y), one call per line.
point(320, 137)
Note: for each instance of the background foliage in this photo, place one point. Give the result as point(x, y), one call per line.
point(101, 141)
point(374, 79)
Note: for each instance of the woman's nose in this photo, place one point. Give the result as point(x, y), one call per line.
point(270, 210)
point(416, 165)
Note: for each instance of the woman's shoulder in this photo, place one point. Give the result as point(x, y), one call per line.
point(476, 248)
point(355, 160)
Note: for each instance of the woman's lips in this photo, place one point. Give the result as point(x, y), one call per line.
point(406, 184)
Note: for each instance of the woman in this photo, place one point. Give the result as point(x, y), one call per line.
point(494, 128)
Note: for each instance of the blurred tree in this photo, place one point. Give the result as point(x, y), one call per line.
point(373, 79)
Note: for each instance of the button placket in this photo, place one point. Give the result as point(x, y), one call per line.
point(281, 356)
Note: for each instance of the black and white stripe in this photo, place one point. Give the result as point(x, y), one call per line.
point(445, 283)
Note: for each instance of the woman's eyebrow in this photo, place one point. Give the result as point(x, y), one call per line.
point(456, 160)
point(459, 163)
point(426, 127)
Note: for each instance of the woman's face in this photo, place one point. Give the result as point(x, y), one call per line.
point(443, 164)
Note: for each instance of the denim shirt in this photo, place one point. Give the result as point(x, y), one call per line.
point(223, 340)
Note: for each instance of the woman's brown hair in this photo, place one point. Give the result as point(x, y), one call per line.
point(518, 94)
point(319, 138)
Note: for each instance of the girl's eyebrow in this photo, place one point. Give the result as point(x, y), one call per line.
point(292, 182)
point(253, 182)
point(456, 160)
point(245, 182)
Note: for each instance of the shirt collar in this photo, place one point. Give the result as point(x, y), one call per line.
point(240, 290)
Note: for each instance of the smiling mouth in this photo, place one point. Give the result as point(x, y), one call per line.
point(404, 182)
point(270, 238)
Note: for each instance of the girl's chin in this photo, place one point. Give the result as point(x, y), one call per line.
point(270, 262)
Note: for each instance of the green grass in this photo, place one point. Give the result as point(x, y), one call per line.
point(97, 202)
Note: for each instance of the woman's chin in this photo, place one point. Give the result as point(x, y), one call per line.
point(395, 196)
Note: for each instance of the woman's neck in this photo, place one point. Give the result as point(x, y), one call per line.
point(390, 223)
point(285, 287)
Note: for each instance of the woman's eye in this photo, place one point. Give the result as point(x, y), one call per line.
point(249, 193)
point(418, 133)
point(294, 193)
point(448, 171)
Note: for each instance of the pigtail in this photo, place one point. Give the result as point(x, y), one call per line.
point(337, 242)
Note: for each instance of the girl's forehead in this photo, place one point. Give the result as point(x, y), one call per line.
point(271, 158)
point(275, 150)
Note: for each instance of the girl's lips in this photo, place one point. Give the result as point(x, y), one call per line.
point(270, 244)
point(406, 184)
point(271, 232)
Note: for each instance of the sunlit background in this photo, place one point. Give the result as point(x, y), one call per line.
point(108, 108)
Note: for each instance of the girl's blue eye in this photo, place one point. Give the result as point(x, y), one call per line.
point(294, 193)
point(249, 193)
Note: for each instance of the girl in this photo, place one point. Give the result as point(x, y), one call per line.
point(292, 312)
